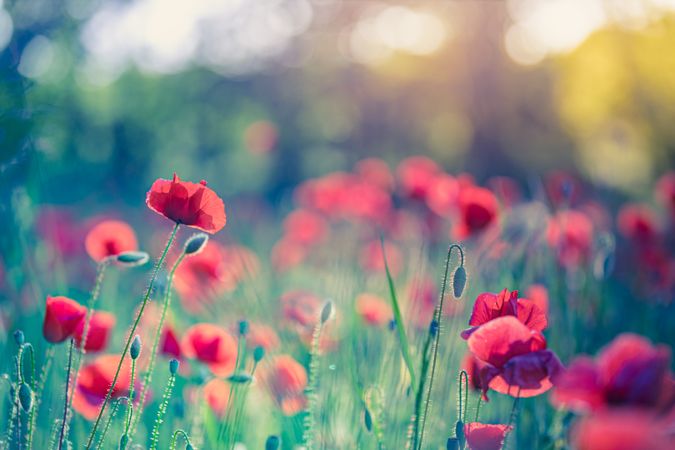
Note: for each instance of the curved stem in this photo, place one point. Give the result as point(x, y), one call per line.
point(147, 377)
point(174, 439)
point(438, 315)
point(480, 399)
point(160, 261)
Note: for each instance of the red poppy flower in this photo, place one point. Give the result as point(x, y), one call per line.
point(287, 254)
point(264, 336)
point(415, 175)
point(305, 227)
point(100, 328)
point(489, 306)
point(301, 308)
point(472, 367)
point(481, 436)
point(94, 381)
point(62, 317)
point(191, 204)
point(629, 371)
point(516, 360)
point(538, 294)
point(478, 210)
point(570, 234)
point(376, 172)
point(373, 309)
point(169, 343)
point(287, 380)
point(506, 189)
point(203, 277)
point(110, 238)
point(211, 345)
point(623, 430)
point(217, 393)
point(442, 194)
point(638, 223)
point(372, 259)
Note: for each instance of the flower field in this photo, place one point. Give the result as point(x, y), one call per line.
point(267, 248)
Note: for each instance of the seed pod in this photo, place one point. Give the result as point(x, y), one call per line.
point(173, 366)
point(459, 432)
point(326, 312)
point(459, 281)
point(239, 378)
point(132, 259)
point(124, 440)
point(367, 420)
point(196, 243)
point(243, 328)
point(19, 338)
point(273, 443)
point(433, 328)
point(25, 397)
point(189, 446)
point(135, 349)
point(452, 444)
point(258, 353)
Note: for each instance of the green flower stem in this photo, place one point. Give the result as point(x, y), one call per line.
point(160, 261)
point(147, 378)
point(67, 402)
point(174, 439)
point(33, 385)
point(154, 438)
point(37, 392)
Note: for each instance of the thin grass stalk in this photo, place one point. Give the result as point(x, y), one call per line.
point(147, 378)
point(39, 387)
point(15, 417)
point(32, 384)
point(309, 422)
point(160, 261)
point(66, 403)
point(438, 316)
point(154, 437)
point(113, 410)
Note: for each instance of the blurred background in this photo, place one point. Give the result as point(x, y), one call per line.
point(100, 97)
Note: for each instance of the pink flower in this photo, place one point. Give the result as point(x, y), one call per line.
point(480, 436)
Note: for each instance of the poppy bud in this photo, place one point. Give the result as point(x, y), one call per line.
point(392, 325)
point(258, 353)
point(189, 446)
point(459, 281)
point(243, 328)
point(132, 259)
point(25, 397)
point(196, 243)
point(368, 420)
point(173, 366)
point(239, 378)
point(326, 312)
point(19, 337)
point(433, 328)
point(452, 444)
point(135, 349)
point(459, 432)
point(272, 443)
point(124, 440)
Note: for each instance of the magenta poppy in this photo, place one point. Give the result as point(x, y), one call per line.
point(482, 436)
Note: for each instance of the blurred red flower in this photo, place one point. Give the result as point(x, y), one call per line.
point(570, 235)
point(110, 238)
point(442, 194)
point(301, 309)
point(372, 260)
point(623, 429)
point(478, 209)
point(260, 335)
point(563, 189)
point(191, 204)
point(415, 175)
point(638, 223)
point(211, 345)
point(62, 317)
point(101, 325)
point(376, 172)
point(629, 371)
point(665, 191)
point(202, 277)
point(538, 294)
point(489, 306)
point(169, 343)
point(94, 381)
point(287, 380)
point(217, 393)
point(305, 227)
point(373, 309)
point(481, 436)
point(515, 357)
point(287, 254)
point(506, 189)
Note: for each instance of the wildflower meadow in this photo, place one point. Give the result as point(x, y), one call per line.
point(328, 224)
